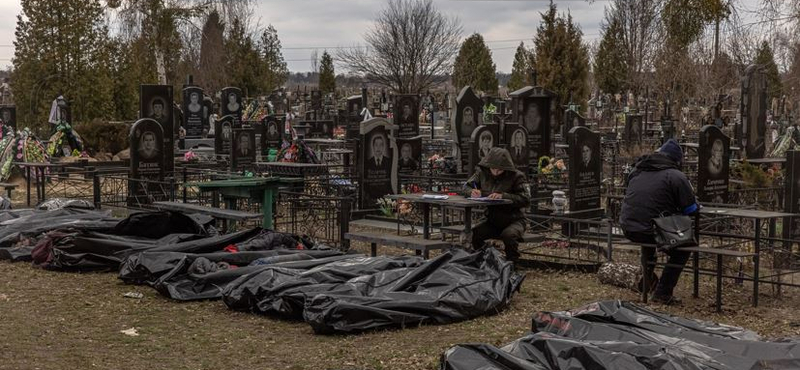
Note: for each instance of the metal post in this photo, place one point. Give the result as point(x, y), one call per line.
point(184, 183)
point(344, 223)
point(96, 189)
point(756, 262)
point(28, 183)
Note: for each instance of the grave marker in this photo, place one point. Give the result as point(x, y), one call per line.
point(532, 107)
point(243, 151)
point(484, 138)
point(378, 161)
point(410, 154)
point(231, 103)
point(406, 115)
point(516, 139)
point(586, 167)
point(467, 118)
point(155, 102)
point(713, 169)
point(634, 124)
point(754, 111)
point(193, 111)
point(148, 159)
point(224, 135)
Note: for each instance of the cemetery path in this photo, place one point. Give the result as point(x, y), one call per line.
point(55, 320)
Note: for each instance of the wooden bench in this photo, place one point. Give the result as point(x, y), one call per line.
point(218, 213)
point(718, 252)
point(9, 188)
point(458, 229)
point(419, 245)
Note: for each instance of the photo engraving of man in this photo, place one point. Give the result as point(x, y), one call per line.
point(157, 111)
point(244, 144)
point(233, 103)
point(407, 162)
point(147, 146)
point(518, 147)
point(485, 143)
point(379, 161)
point(716, 160)
point(194, 102)
point(533, 118)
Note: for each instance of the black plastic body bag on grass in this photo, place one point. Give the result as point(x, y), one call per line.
point(620, 335)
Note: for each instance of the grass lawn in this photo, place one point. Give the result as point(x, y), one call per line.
point(51, 320)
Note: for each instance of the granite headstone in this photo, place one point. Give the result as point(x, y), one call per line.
point(713, 169)
point(193, 111)
point(585, 169)
point(155, 102)
point(406, 115)
point(378, 161)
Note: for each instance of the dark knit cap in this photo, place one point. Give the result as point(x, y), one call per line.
point(672, 150)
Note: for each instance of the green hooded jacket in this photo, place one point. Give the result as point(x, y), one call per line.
point(511, 183)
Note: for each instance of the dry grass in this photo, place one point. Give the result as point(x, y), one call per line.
point(72, 321)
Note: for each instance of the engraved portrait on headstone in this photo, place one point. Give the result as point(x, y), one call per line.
point(713, 165)
point(155, 102)
point(378, 174)
point(585, 169)
point(193, 111)
point(406, 115)
point(410, 153)
point(232, 104)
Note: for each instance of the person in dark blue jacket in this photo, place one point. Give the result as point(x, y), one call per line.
point(657, 187)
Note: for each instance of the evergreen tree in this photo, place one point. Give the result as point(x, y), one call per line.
point(276, 71)
point(766, 59)
point(474, 66)
point(562, 60)
point(610, 68)
point(61, 48)
point(244, 61)
point(327, 77)
point(213, 74)
point(521, 69)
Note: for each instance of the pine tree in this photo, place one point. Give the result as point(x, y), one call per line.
point(327, 77)
point(561, 58)
point(521, 69)
point(610, 68)
point(766, 59)
point(61, 48)
point(276, 72)
point(474, 66)
point(213, 74)
point(244, 61)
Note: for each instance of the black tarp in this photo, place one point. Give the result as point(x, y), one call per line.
point(622, 335)
point(173, 273)
point(20, 230)
point(366, 293)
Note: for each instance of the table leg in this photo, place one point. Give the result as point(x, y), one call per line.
point(468, 228)
point(28, 176)
point(696, 273)
point(719, 282)
point(645, 282)
point(426, 221)
point(230, 225)
point(756, 262)
point(266, 208)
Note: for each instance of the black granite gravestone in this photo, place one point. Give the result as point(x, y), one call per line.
point(406, 115)
point(155, 102)
point(193, 111)
point(484, 138)
point(585, 169)
point(243, 151)
point(532, 107)
point(713, 167)
point(320, 129)
point(791, 226)
point(516, 139)
point(410, 154)
point(467, 118)
point(754, 111)
point(232, 104)
point(634, 124)
point(8, 113)
point(378, 161)
point(223, 135)
point(572, 119)
point(147, 161)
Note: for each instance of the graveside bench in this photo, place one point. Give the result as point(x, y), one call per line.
point(217, 213)
point(419, 245)
point(718, 252)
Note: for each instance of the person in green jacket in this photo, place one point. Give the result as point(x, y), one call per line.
point(496, 177)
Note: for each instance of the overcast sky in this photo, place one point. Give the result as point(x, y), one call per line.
point(303, 25)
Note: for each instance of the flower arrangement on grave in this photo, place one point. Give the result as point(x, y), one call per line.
point(339, 133)
point(64, 134)
point(6, 130)
point(190, 157)
point(387, 206)
point(548, 166)
point(488, 111)
point(297, 152)
point(24, 147)
point(784, 143)
point(255, 111)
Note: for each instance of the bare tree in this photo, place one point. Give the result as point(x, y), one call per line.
point(411, 47)
point(641, 30)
